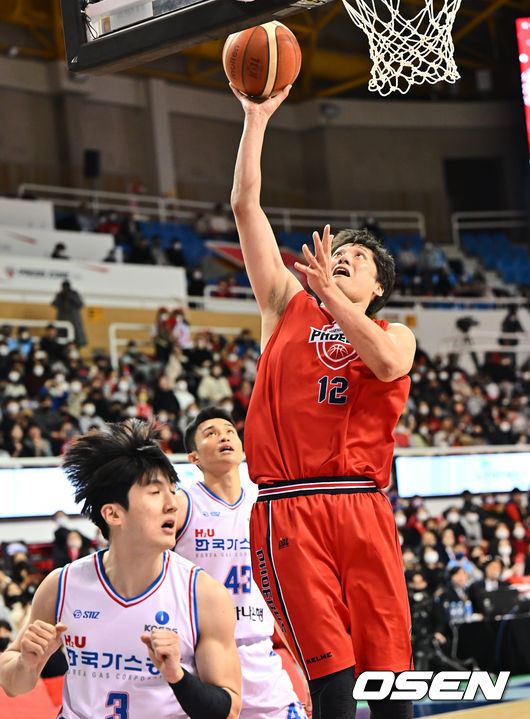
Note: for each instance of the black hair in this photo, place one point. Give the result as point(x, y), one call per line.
point(384, 262)
point(104, 465)
point(211, 412)
point(493, 560)
point(454, 570)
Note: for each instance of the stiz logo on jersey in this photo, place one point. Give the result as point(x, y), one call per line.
point(333, 348)
point(85, 614)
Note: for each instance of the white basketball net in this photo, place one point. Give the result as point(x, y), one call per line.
point(407, 51)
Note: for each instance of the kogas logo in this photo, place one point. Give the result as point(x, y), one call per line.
point(332, 347)
point(162, 618)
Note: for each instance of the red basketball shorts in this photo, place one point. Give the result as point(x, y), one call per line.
point(329, 567)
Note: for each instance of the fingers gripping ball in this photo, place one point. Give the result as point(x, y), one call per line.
point(262, 60)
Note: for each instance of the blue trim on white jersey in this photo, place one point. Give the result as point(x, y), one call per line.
point(60, 591)
point(131, 600)
point(236, 504)
point(187, 520)
point(194, 600)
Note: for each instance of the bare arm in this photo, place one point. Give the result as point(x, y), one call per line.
point(271, 281)
point(216, 654)
point(22, 662)
point(182, 509)
point(389, 354)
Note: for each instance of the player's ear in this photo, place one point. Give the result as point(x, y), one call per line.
point(379, 290)
point(112, 514)
point(193, 458)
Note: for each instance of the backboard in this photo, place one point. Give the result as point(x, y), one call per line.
point(111, 35)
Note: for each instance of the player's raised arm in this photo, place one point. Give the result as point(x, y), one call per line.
point(22, 662)
point(271, 281)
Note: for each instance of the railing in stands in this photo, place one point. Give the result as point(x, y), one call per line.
point(169, 209)
point(490, 221)
point(60, 324)
point(146, 339)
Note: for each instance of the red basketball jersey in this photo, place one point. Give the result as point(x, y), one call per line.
point(316, 408)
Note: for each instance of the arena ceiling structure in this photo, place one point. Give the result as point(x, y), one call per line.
point(335, 58)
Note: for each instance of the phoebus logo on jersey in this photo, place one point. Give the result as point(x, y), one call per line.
point(438, 686)
point(332, 347)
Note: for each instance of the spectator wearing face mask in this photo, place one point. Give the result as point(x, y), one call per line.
point(520, 539)
point(460, 559)
point(183, 395)
point(35, 377)
point(502, 532)
point(504, 552)
point(428, 624)
point(452, 517)
point(24, 341)
point(470, 520)
point(76, 398)
point(57, 388)
point(432, 568)
point(123, 392)
point(188, 416)
point(15, 388)
point(22, 573)
point(88, 418)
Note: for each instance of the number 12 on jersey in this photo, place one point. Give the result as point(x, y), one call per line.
point(332, 391)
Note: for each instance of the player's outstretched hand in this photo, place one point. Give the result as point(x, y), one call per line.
point(163, 646)
point(40, 641)
point(318, 268)
point(261, 107)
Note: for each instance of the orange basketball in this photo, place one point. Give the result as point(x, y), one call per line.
point(262, 60)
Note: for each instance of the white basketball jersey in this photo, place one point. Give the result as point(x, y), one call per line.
point(216, 536)
point(110, 673)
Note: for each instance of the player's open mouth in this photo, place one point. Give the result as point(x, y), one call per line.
point(226, 448)
point(170, 524)
point(341, 270)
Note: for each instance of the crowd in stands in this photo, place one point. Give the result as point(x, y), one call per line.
point(49, 392)
point(454, 562)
